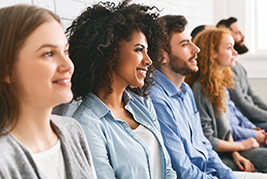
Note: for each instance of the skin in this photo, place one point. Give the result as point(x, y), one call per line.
point(225, 54)
point(134, 62)
point(236, 33)
point(44, 70)
point(182, 58)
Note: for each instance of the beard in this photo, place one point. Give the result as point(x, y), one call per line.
point(181, 66)
point(240, 48)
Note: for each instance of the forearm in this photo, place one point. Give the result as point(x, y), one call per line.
point(228, 146)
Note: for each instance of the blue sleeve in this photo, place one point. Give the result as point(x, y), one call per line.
point(241, 133)
point(99, 153)
point(179, 159)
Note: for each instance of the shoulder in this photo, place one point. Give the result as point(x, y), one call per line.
point(14, 162)
point(238, 68)
point(64, 122)
point(140, 100)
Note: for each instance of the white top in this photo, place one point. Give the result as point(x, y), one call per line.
point(153, 145)
point(51, 162)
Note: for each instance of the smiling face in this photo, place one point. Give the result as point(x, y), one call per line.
point(43, 68)
point(182, 58)
point(225, 53)
point(134, 61)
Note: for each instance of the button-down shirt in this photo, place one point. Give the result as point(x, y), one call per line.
point(240, 124)
point(117, 151)
point(191, 152)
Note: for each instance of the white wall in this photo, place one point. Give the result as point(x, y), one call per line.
point(255, 64)
point(196, 11)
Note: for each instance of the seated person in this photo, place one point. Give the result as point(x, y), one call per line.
point(35, 76)
point(109, 48)
point(209, 85)
point(249, 103)
point(191, 153)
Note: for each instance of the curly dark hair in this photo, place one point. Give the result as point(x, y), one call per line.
point(94, 39)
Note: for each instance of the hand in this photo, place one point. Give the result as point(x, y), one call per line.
point(243, 163)
point(261, 137)
point(249, 144)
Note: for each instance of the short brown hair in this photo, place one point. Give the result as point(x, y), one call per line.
point(16, 25)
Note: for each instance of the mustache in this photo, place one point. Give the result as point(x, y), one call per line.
point(194, 56)
point(242, 40)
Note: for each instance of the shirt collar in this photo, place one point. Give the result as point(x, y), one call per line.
point(169, 87)
point(99, 108)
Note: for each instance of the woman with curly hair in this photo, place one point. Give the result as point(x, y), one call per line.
point(111, 48)
point(210, 86)
point(35, 73)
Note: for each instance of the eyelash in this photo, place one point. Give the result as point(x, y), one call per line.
point(185, 44)
point(48, 54)
point(51, 53)
point(139, 50)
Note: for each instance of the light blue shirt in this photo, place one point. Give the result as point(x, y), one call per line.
point(117, 151)
point(190, 151)
point(240, 124)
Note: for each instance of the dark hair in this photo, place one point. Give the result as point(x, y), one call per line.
point(16, 25)
point(94, 39)
point(226, 22)
point(196, 30)
point(171, 23)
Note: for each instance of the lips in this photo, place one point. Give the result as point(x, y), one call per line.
point(62, 81)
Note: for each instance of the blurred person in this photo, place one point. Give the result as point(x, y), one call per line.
point(198, 29)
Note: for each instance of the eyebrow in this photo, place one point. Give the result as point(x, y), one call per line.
point(139, 45)
point(186, 40)
point(50, 45)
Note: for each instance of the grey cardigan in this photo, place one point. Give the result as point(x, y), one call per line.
point(16, 161)
point(244, 97)
point(213, 128)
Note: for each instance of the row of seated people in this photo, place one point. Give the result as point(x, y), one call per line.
point(136, 119)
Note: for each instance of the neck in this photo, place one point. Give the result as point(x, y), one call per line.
point(114, 100)
point(176, 78)
point(34, 129)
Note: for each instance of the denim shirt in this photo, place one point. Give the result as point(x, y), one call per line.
point(190, 151)
point(116, 150)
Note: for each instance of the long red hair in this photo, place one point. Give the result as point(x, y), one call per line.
point(211, 78)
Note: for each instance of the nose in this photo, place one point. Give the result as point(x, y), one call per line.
point(147, 60)
point(66, 64)
point(195, 50)
point(234, 52)
point(242, 36)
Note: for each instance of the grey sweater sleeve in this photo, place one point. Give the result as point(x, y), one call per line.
point(214, 128)
point(245, 98)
